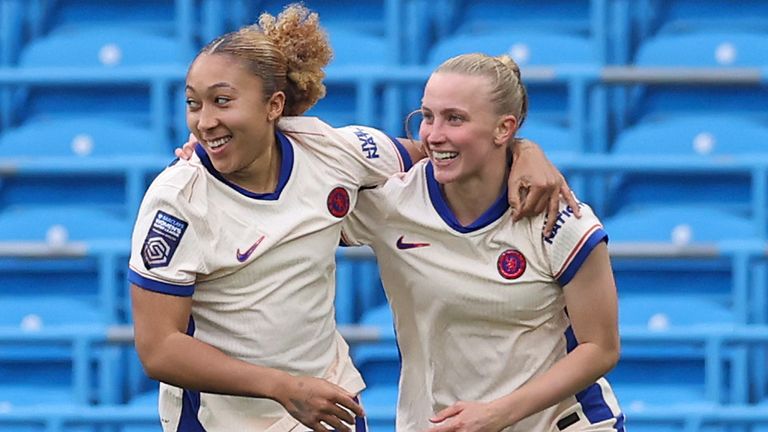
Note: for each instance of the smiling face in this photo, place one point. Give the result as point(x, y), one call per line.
point(230, 115)
point(460, 128)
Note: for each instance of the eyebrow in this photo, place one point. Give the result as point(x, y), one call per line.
point(213, 86)
point(449, 110)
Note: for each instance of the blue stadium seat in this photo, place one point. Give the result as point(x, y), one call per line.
point(678, 225)
point(354, 101)
point(586, 19)
point(710, 49)
point(33, 395)
point(689, 16)
point(53, 364)
point(717, 136)
point(483, 16)
point(36, 312)
point(379, 362)
point(102, 47)
point(12, 29)
point(553, 139)
point(41, 245)
point(55, 226)
point(64, 162)
point(527, 49)
point(710, 275)
point(380, 404)
point(358, 287)
point(80, 137)
point(667, 291)
point(148, 399)
point(705, 138)
point(660, 312)
point(142, 99)
point(713, 49)
point(679, 369)
point(157, 16)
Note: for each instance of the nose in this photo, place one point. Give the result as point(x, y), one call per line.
point(207, 118)
point(432, 134)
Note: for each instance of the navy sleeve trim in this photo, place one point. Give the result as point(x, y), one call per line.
point(598, 236)
point(404, 155)
point(160, 287)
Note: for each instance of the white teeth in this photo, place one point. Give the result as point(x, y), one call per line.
point(219, 142)
point(444, 155)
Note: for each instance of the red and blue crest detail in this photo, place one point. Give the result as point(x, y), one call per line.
point(511, 264)
point(338, 202)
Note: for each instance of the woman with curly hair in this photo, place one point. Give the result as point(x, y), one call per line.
point(232, 268)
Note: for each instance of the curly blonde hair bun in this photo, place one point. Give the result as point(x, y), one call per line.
point(287, 52)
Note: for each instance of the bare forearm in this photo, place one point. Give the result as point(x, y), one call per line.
point(572, 374)
point(189, 363)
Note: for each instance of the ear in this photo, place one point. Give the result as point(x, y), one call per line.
point(275, 106)
point(505, 130)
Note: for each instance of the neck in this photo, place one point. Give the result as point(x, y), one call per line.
point(470, 198)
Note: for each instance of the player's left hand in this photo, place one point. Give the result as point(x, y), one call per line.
point(466, 416)
point(188, 149)
point(535, 185)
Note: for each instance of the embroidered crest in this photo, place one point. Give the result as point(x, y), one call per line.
point(338, 202)
point(162, 240)
point(511, 264)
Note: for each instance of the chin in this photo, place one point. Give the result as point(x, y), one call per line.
point(443, 177)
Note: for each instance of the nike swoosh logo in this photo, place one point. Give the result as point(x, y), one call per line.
point(408, 245)
point(243, 256)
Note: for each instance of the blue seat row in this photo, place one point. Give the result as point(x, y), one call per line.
point(380, 100)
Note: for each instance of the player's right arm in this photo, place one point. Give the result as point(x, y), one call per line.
point(168, 354)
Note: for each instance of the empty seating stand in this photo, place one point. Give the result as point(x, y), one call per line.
point(91, 106)
point(714, 50)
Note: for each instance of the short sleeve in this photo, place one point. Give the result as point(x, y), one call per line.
point(373, 155)
point(571, 241)
point(165, 253)
point(359, 226)
point(365, 156)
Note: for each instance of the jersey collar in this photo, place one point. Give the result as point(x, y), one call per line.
point(496, 211)
point(286, 166)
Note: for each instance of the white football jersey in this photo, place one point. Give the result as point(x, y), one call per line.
point(260, 267)
point(479, 309)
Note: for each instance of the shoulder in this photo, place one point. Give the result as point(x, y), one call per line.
point(311, 132)
point(403, 187)
point(181, 182)
point(411, 180)
point(569, 231)
point(303, 125)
